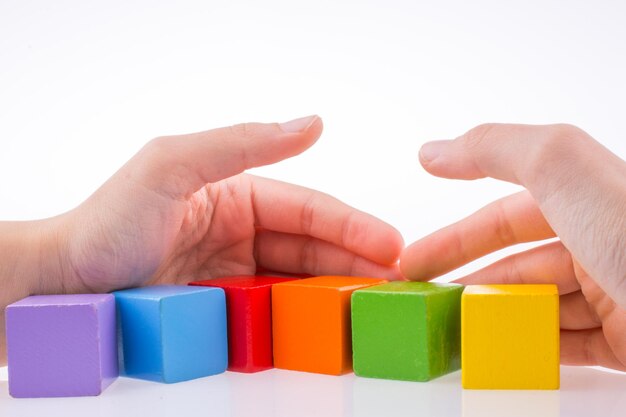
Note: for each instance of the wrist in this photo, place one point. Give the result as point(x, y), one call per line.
point(29, 264)
point(31, 254)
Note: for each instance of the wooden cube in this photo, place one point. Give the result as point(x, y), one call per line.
point(249, 308)
point(407, 330)
point(311, 323)
point(510, 337)
point(61, 345)
point(172, 333)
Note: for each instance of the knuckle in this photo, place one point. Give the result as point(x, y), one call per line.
point(588, 349)
point(308, 256)
point(353, 232)
point(558, 139)
point(561, 139)
point(242, 130)
point(555, 152)
point(476, 136)
point(503, 228)
point(307, 215)
point(159, 166)
point(159, 143)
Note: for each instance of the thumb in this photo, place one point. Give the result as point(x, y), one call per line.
point(177, 166)
point(577, 183)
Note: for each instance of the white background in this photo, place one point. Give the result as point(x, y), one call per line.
point(84, 84)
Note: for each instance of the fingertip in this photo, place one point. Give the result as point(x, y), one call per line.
point(448, 159)
point(315, 128)
point(300, 134)
point(299, 125)
point(386, 244)
point(431, 155)
point(395, 246)
point(410, 264)
point(430, 151)
point(394, 274)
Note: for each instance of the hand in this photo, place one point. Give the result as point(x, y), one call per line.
point(181, 210)
point(576, 191)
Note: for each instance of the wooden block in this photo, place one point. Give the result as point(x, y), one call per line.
point(407, 330)
point(172, 333)
point(61, 345)
point(311, 323)
point(249, 308)
point(510, 337)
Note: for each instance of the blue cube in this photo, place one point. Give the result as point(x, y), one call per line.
point(172, 333)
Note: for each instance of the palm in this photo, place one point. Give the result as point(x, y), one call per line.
point(215, 237)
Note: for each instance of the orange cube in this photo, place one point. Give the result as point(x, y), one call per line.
point(311, 323)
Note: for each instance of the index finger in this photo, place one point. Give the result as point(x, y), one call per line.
point(505, 222)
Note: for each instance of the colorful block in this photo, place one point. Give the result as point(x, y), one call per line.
point(61, 345)
point(172, 333)
point(311, 323)
point(510, 337)
point(406, 330)
point(249, 308)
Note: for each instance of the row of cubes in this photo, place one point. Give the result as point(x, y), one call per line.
point(75, 345)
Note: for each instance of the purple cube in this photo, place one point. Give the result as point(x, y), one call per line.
point(61, 345)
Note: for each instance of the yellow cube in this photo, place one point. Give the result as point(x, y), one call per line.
point(510, 337)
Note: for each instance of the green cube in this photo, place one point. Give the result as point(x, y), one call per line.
point(409, 331)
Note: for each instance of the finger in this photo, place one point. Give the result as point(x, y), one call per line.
point(573, 178)
point(576, 313)
point(547, 264)
point(612, 316)
point(589, 348)
point(513, 219)
point(178, 166)
point(288, 208)
point(537, 157)
point(304, 254)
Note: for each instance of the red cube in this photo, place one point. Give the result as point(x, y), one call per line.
point(249, 309)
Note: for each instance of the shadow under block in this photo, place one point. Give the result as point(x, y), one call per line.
point(510, 337)
point(61, 345)
point(172, 333)
point(311, 323)
point(407, 330)
point(249, 308)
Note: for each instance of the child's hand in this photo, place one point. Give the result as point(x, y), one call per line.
point(181, 210)
point(576, 191)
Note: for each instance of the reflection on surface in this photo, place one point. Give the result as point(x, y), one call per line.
point(379, 397)
point(584, 392)
point(304, 394)
point(510, 403)
point(134, 398)
point(592, 392)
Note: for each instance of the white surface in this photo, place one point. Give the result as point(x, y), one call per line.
point(84, 84)
point(584, 392)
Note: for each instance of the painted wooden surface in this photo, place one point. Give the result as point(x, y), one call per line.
point(172, 333)
point(311, 323)
point(406, 330)
point(510, 337)
point(61, 345)
point(249, 307)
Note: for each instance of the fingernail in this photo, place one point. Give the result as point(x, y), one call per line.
point(298, 125)
point(431, 150)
